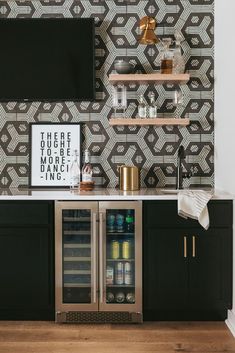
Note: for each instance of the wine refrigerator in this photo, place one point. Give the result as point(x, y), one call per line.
point(98, 252)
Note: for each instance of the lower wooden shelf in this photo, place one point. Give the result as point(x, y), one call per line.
point(149, 121)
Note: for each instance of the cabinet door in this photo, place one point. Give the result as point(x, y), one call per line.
point(76, 256)
point(120, 256)
point(200, 290)
point(165, 273)
point(210, 274)
point(27, 273)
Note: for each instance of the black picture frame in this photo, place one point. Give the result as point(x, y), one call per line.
point(51, 147)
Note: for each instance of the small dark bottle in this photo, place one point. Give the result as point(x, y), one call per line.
point(129, 222)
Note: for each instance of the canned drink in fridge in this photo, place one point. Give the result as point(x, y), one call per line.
point(115, 249)
point(128, 275)
point(119, 273)
point(109, 275)
point(120, 297)
point(120, 223)
point(130, 298)
point(126, 249)
point(110, 222)
point(110, 297)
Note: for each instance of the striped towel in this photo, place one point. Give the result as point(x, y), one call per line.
point(193, 204)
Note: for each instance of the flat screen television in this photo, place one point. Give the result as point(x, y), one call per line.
point(47, 59)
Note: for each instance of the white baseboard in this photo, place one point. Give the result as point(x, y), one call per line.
point(230, 322)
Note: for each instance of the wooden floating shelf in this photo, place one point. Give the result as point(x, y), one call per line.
point(147, 78)
point(148, 121)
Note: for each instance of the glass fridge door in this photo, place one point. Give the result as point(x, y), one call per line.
point(121, 259)
point(76, 257)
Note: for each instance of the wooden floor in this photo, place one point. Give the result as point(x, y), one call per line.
point(164, 337)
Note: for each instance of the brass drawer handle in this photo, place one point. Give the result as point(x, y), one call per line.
point(185, 247)
point(194, 246)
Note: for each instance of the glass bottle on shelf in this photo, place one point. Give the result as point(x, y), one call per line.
point(178, 62)
point(74, 171)
point(152, 107)
point(178, 98)
point(119, 99)
point(142, 108)
point(87, 168)
point(178, 102)
point(167, 57)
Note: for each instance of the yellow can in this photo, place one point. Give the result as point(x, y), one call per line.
point(126, 249)
point(115, 249)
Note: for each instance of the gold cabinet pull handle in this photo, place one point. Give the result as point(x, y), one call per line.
point(194, 246)
point(185, 247)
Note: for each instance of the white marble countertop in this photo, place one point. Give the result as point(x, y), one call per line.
point(100, 194)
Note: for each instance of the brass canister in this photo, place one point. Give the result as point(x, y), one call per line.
point(128, 178)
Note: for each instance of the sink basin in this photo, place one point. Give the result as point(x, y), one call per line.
point(175, 191)
point(170, 191)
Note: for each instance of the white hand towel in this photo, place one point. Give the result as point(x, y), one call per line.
point(193, 204)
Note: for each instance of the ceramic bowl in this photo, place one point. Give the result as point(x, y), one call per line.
point(123, 67)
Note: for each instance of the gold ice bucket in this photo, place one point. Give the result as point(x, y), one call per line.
point(128, 178)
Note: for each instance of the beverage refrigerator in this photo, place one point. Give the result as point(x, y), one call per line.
point(98, 255)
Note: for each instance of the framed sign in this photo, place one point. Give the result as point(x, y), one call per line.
point(51, 150)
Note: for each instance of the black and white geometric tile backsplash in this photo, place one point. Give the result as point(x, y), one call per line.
point(153, 149)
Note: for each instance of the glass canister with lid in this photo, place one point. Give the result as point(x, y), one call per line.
point(167, 57)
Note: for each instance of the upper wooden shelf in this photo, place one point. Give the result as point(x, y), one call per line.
point(148, 121)
point(147, 78)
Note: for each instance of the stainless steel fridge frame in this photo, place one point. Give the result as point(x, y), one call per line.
point(98, 310)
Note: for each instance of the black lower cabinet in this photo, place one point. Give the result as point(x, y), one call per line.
point(187, 270)
point(27, 260)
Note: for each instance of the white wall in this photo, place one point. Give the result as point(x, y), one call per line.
point(224, 110)
point(225, 95)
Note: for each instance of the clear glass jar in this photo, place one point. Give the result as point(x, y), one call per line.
point(178, 62)
point(167, 57)
point(142, 108)
point(152, 107)
point(119, 99)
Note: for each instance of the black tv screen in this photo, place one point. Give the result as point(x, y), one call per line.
point(47, 59)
